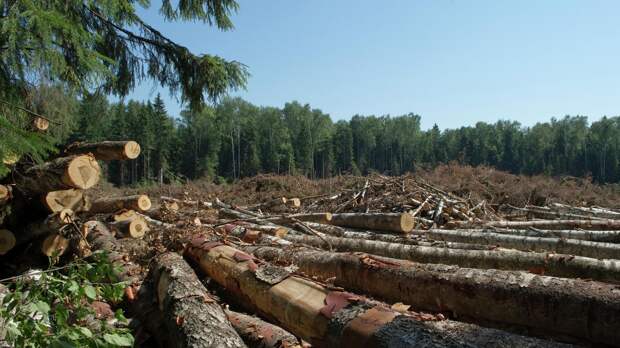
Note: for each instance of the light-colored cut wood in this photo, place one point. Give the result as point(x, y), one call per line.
point(107, 150)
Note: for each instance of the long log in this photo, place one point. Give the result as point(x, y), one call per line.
point(107, 150)
point(594, 236)
point(191, 317)
point(323, 218)
point(390, 222)
point(73, 199)
point(257, 333)
point(114, 204)
point(560, 245)
point(604, 224)
point(559, 265)
point(79, 171)
point(547, 304)
point(325, 317)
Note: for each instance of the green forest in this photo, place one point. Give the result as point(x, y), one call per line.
point(234, 139)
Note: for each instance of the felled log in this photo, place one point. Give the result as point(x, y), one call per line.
point(185, 201)
point(7, 241)
point(269, 204)
point(123, 215)
point(54, 245)
point(191, 318)
point(240, 212)
point(40, 124)
point(249, 235)
point(131, 228)
point(390, 222)
point(114, 204)
point(603, 224)
point(79, 171)
point(595, 236)
point(52, 224)
point(5, 194)
point(559, 265)
point(323, 218)
point(257, 333)
point(547, 304)
point(592, 211)
point(560, 245)
point(294, 203)
point(325, 317)
point(274, 230)
point(107, 150)
point(73, 199)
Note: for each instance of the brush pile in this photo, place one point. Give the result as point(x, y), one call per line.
point(384, 261)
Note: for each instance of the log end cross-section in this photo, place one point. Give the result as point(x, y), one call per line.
point(82, 172)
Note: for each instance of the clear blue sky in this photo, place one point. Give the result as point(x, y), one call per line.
point(454, 62)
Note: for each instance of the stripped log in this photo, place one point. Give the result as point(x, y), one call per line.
point(107, 150)
point(73, 199)
point(390, 222)
point(240, 212)
point(547, 304)
point(257, 333)
point(191, 317)
point(559, 265)
point(7, 241)
point(325, 317)
point(274, 230)
point(132, 228)
point(80, 171)
point(559, 245)
point(251, 236)
point(114, 204)
point(591, 211)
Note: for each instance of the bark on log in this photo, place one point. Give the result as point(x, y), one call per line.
point(73, 199)
point(80, 171)
point(114, 204)
point(330, 318)
point(107, 150)
point(257, 333)
point(390, 222)
point(591, 211)
point(191, 317)
point(595, 236)
point(563, 246)
point(7, 241)
point(52, 224)
point(323, 218)
point(604, 224)
point(132, 228)
point(546, 304)
point(273, 230)
point(559, 265)
point(236, 210)
point(294, 203)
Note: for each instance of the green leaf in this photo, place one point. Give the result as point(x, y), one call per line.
point(90, 292)
point(73, 287)
point(85, 332)
point(42, 307)
point(119, 340)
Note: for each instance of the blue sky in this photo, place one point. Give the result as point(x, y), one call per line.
point(454, 62)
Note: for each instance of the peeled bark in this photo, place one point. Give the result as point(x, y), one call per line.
point(107, 150)
point(73, 199)
point(114, 204)
point(80, 172)
point(390, 222)
point(331, 318)
point(559, 245)
point(191, 318)
point(7, 241)
point(257, 333)
point(132, 228)
point(559, 265)
point(546, 304)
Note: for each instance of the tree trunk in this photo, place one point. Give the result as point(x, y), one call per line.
point(604, 224)
point(547, 304)
point(114, 204)
point(73, 199)
point(595, 236)
point(559, 265)
point(327, 317)
point(107, 150)
point(323, 218)
point(257, 333)
point(559, 245)
point(81, 172)
point(274, 230)
point(131, 228)
point(191, 318)
point(389, 222)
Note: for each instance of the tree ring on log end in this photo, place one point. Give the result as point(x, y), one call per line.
point(83, 172)
point(132, 149)
point(144, 203)
point(407, 222)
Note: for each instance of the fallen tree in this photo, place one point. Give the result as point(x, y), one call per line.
point(551, 264)
point(547, 304)
point(594, 236)
point(390, 222)
point(604, 224)
point(327, 317)
point(79, 171)
point(113, 204)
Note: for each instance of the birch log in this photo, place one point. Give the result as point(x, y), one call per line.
point(332, 318)
point(559, 265)
point(546, 304)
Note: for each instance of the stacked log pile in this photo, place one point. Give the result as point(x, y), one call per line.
point(392, 262)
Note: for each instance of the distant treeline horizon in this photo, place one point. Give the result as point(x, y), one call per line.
point(235, 139)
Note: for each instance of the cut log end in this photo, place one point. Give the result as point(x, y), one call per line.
point(143, 202)
point(131, 150)
point(136, 227)
point(83, 172)
point(124, 215)
point(5, 194)
point(7, 241)
point(40, 124)
point(293, 202)
point(54, 245)
point(407, 223)
point(56, 201)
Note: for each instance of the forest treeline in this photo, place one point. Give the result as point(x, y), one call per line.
point(236, 139)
